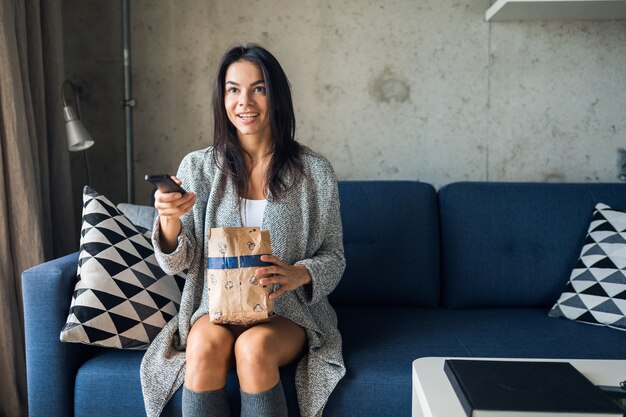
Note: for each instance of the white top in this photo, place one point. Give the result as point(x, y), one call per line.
point(252, 212)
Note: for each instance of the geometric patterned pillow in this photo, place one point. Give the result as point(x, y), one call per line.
point(596, 291)
point(122, 298)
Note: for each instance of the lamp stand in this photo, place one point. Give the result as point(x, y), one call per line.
point(87, 169)
point(129, 103)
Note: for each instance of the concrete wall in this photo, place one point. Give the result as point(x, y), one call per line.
point(401, 89)
point(92, 41)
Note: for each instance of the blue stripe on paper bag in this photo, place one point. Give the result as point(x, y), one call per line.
point(225, 262)
point(249, 261)
point(232, 262)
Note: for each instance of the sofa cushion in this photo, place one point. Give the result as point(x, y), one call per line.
point(380, 344)
point(596, 291)
point(375, 349)
point(514, 244)
point(391, 241)
point(108, 385)
point(122, 298)
point(403, 230)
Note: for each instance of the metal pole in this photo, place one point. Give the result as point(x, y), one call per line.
point(129, 103)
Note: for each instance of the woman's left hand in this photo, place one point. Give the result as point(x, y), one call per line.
point(289, 277)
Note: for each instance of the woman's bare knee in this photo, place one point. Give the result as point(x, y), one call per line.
point(257, 361)
point(209, 356)
point(257, 348)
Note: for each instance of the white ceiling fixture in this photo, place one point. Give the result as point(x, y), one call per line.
point(512, 10)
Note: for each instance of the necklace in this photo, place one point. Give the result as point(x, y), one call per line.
point(262, 157)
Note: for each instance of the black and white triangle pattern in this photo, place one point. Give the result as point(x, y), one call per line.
point(596, 291)
point(122, 298)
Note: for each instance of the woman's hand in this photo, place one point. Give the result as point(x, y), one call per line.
point(170, 207)
point(289, 277)
point(173, 205)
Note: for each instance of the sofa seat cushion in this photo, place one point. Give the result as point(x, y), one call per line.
point(379, 344)
point(108, 385)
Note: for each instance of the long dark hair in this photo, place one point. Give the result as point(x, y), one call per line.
point(286, 165)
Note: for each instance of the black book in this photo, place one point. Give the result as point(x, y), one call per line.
point(510, 388)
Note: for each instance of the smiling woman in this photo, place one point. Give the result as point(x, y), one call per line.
point(256, 175)
point(250, 80)
point(246, 102)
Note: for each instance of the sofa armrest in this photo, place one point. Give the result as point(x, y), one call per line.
point(51, 365)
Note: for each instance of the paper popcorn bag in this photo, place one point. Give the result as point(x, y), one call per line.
point(235, 294)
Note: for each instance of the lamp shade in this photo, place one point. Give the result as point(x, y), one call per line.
point(77, 137)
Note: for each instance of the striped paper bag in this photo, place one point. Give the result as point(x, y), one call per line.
point(235, 294)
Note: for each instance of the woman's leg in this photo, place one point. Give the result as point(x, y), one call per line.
point(259, 352)
point(209, 357)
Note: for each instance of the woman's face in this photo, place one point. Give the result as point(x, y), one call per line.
point(245, 100)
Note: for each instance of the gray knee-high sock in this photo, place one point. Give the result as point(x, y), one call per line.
point(205, 404)
point(270, 403)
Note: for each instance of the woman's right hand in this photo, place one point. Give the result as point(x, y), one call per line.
point(170, 207)
point(173, 205)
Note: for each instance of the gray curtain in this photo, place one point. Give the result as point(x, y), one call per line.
point(36, 215)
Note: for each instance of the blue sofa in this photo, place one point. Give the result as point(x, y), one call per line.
point(469, 271)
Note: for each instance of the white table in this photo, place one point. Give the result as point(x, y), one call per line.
point(433, 396)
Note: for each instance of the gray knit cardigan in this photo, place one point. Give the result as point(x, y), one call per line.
point(305, 228)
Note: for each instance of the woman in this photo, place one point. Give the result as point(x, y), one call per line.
point(256, 174)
